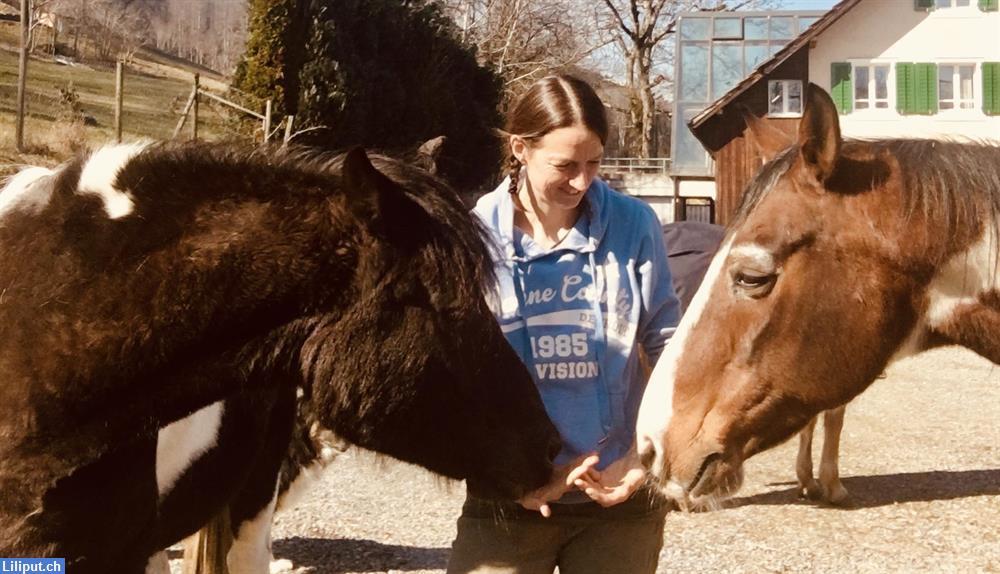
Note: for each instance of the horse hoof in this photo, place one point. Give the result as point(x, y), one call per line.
point(837, 495)
point(811, 491)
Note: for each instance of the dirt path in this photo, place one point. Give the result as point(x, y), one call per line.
point(920, 454)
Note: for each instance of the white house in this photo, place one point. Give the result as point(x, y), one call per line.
point(895, 68)
point(913, 69)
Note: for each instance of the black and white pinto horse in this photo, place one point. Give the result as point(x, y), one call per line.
point(163, 309)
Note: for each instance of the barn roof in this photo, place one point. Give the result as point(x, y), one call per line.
point(774, 61)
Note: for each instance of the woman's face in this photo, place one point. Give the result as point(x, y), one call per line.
point(560, 166)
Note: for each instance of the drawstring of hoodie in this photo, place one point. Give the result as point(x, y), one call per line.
point(600, 345)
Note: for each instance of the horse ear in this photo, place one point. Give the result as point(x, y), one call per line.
point(371, 195)
point(764, 137)
point(819, 133)
point(429, 152)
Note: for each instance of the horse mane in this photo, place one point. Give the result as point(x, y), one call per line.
point(462, 242)
point(948, 180)
point(457, 240)
point(945, 181)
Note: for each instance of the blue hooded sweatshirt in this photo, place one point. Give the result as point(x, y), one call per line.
point(577, 313)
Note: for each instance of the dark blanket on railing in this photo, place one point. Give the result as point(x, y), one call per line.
point(690, 248)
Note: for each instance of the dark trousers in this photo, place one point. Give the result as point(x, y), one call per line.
point(495, 538)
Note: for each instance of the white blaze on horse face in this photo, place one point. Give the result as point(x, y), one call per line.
point(181, 442)
point(656, 408)
point(100, 173)
point(963, 279)
point(754, 255)
point(20, 190)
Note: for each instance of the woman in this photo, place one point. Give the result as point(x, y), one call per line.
point(584, 291)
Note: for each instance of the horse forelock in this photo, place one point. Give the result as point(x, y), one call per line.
point(762, 184)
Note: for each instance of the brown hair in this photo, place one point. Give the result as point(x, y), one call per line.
point(554, 102)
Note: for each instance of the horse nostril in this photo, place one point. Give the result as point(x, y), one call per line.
point(647, 453)
point(646, 457)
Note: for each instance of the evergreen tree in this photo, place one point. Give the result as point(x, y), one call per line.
point(390, 74)
point(270, 64)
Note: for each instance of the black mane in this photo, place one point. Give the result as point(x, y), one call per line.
point(203, 172)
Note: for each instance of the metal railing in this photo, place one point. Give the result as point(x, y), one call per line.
point(636, 164)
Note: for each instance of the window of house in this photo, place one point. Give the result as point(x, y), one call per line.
point(695, 28)
point(955, 86)
point(871, 86)
point(784, 98)
point(727, 67)
point(782, 28)
point(754, 54)
point(755, 28)
point(806, 21)
point(728, 28)
point(951, 3)
point(694, 72)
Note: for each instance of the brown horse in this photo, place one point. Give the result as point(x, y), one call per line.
point(844, 256)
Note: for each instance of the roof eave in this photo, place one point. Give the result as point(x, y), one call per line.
point(773, 62)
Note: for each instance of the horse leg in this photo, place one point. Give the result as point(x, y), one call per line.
point(808, 487)
point(251, 550)
point(251, 510)
point(829, 469)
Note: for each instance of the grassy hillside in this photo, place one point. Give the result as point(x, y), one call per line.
point(156, 89)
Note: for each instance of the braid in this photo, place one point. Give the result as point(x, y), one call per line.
point(514, 167)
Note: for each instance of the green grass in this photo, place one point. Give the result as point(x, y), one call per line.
point(153, 100)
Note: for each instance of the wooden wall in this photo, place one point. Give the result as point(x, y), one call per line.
point(736, 159)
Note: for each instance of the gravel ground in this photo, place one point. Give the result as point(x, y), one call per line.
point(920, 455)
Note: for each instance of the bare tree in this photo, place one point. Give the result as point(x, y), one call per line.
point(208, 32)
point(211, 32)
point(38, 9)
point(526, 39)
point(638, 29)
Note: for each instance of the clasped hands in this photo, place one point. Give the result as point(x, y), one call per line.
point(608, 487)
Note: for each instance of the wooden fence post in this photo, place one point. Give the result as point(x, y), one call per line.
point(267, 121)
point(289, 120)
point(205, 551)
point(119, 95)
point(22, 75)
point(184, 114)
point(194, 109)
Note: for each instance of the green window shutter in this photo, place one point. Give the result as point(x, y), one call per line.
point(905, 88)
point(991, 88)
point(924, 4)
point(841, 87)
point(989, 5)
point(925, 88)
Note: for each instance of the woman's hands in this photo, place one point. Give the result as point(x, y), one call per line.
point(616, 483)
point(563, 479)
point(613, 485)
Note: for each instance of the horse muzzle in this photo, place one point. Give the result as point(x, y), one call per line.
point(704, 487)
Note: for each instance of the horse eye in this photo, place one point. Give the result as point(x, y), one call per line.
point(754, 283)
